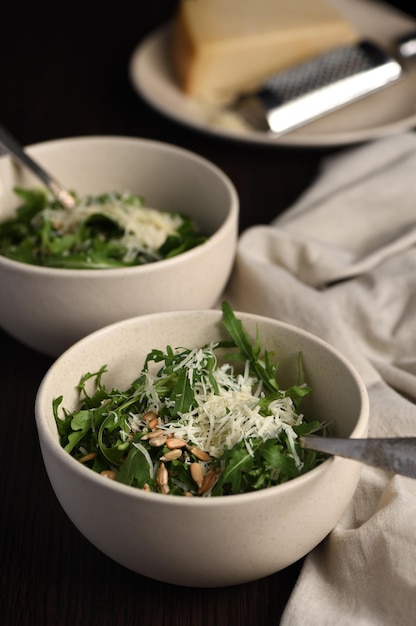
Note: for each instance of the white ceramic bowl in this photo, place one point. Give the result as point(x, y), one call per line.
point(216, 541)
point(49, 309)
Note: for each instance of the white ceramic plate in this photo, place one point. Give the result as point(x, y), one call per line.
point(386, 112)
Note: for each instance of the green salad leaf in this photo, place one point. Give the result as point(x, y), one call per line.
point(135, 470)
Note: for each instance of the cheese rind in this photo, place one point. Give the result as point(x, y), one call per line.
point(223, 47)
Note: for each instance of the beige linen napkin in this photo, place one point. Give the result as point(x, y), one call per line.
point(341, 263)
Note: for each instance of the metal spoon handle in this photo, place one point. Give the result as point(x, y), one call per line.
point(397, 454)
point(12, 146)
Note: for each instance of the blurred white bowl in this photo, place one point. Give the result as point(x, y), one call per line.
point(215, 541)
point(49, 309)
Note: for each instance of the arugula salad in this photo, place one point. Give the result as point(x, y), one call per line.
point(101, 232)
point(198, 426)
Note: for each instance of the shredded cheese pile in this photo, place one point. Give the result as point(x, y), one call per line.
point(230, 417)
point(144, 228)
point(227, 415)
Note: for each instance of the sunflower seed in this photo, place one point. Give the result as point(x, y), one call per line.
point(200, 454)
point(208, 482)
point(154, 433)
point(87, 457)
point(109, 474)
point(162, 475)
point(175, 442)
point(171, 455)
point(149, 416)
point(156, 442)
point(197, 472)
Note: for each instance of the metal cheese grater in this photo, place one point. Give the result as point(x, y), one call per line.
point(328, 82)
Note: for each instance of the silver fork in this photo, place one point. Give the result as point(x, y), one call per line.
point(396, 454)
point(12, 146)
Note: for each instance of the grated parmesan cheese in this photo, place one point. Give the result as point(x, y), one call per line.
point(232, 416)
point(144, 228)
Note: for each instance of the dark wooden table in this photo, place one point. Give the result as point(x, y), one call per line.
point(69, 78)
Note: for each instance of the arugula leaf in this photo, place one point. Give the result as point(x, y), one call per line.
point(34, 201)
point(271, 451)
point(63, 424)
point(111, 447)
point(80, 425)
point(182, 394)
point(235, 462)
point(135, 470)
point(265, 371)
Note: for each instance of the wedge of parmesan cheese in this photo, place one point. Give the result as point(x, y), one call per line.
point(221, 48)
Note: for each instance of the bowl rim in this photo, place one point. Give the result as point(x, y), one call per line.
point(49, 439)
point(229, 221)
